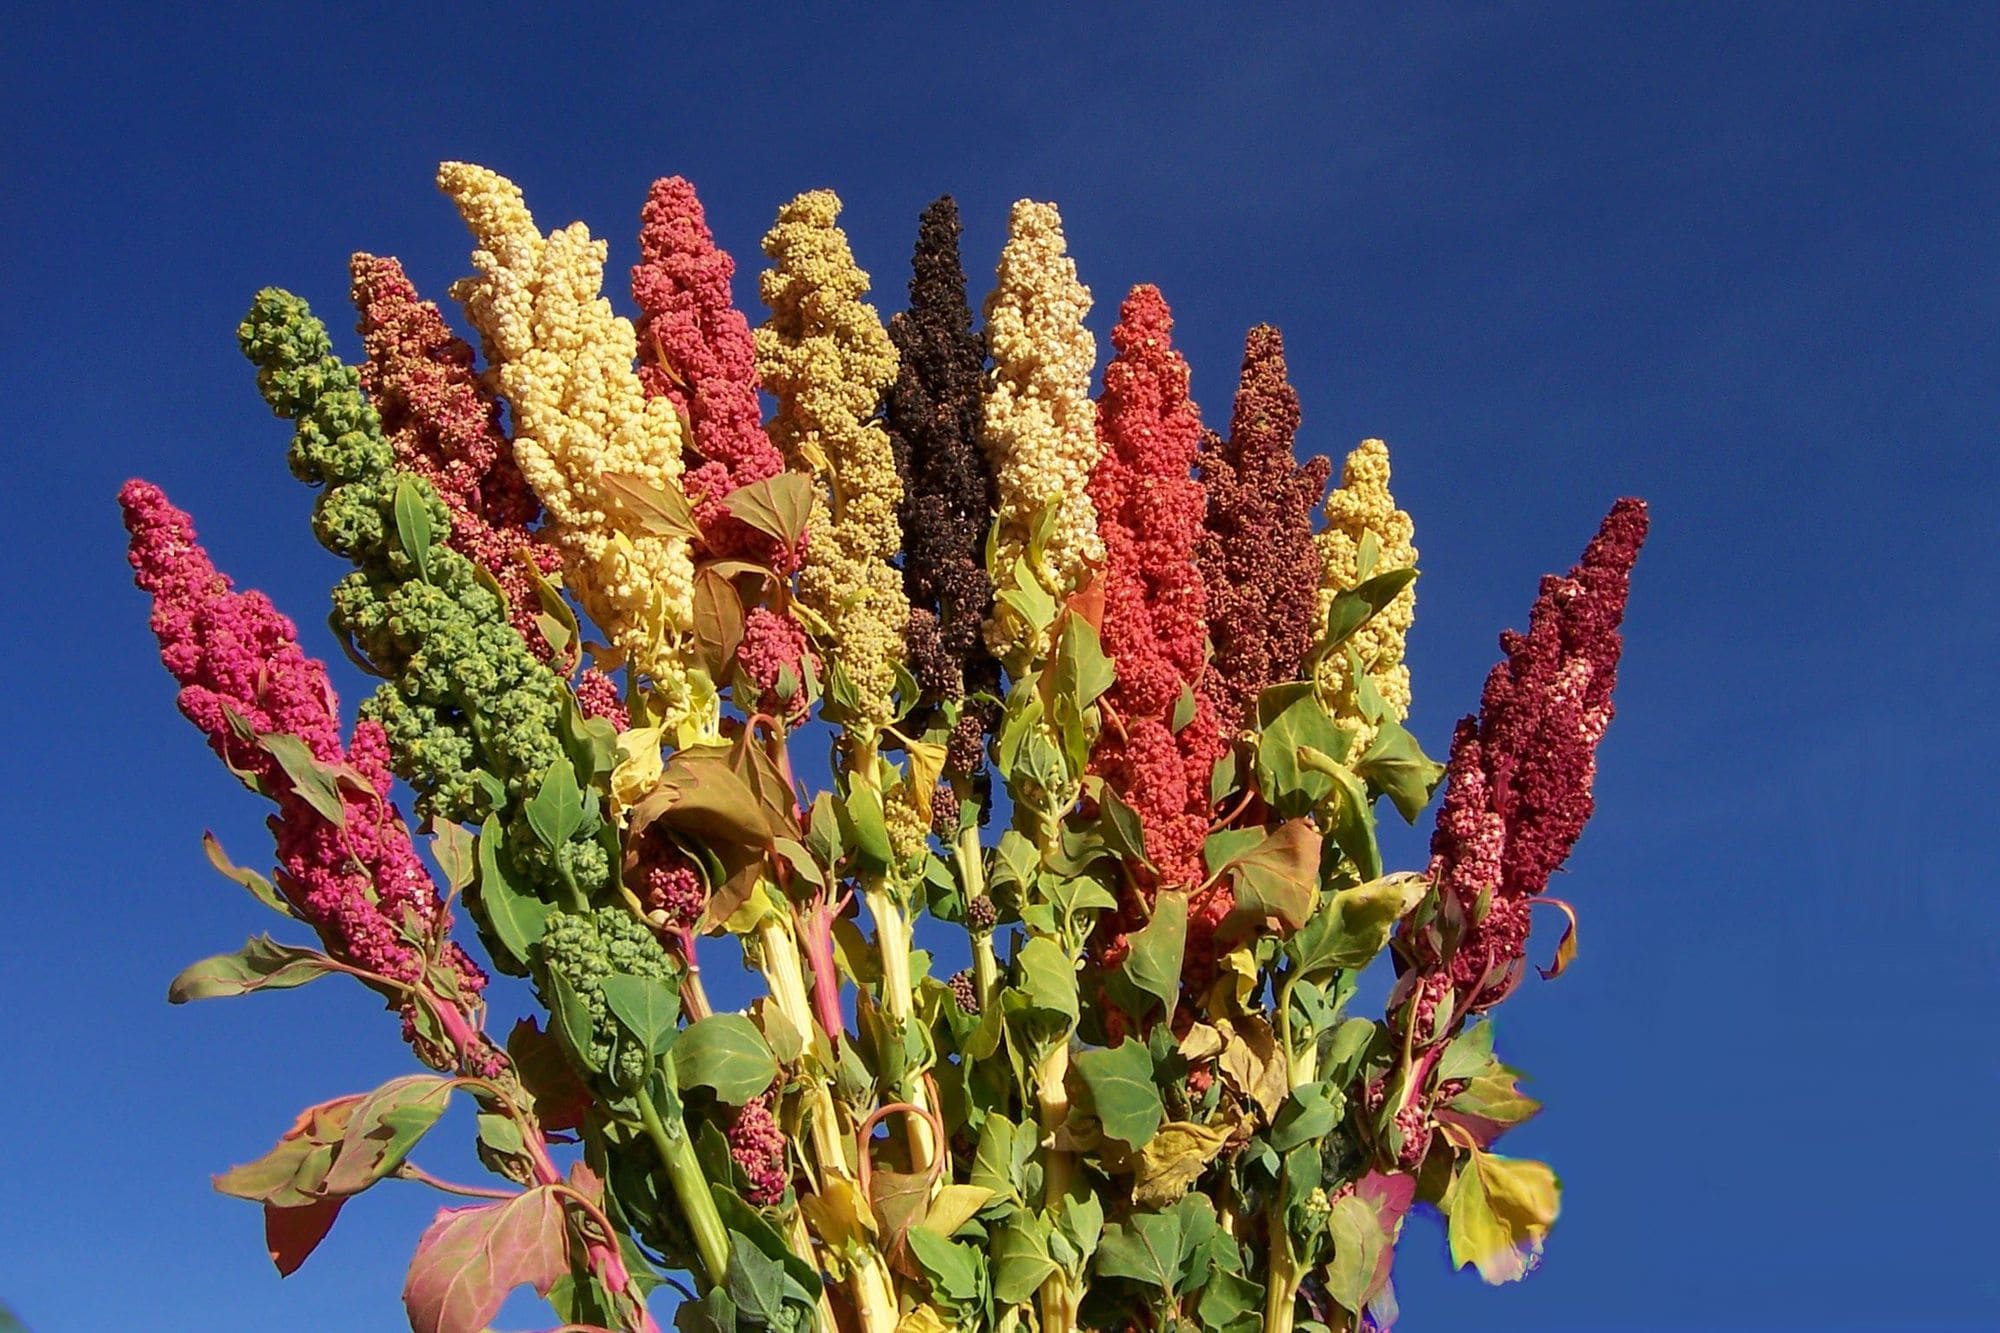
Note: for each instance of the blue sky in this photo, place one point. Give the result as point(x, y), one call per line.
point(1740, 260)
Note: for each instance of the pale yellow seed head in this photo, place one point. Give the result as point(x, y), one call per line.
point(824, 355)
point(564, 362)
point(1038, 424)
point(1359, 506)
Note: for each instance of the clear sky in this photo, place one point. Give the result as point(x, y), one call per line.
point(1740, 260)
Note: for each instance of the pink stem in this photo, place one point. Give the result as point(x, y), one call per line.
point(605, 1260)
point(826, 981)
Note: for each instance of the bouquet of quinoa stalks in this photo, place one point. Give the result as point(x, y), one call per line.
point(1048, 962)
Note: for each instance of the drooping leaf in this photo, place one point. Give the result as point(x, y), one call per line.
point(1399, 768)
point(292, 1234)
point(261, 964)
point(517, 918)
point(1354, 607)
point(1119, 1081)
point(1308, 1114)
point(1081, 672)
point(316, 782)
point(1291, 718)
point(1020, 1257)
point(382, 1129)
point(1145, 1247)
point(470, 1258)
point(1048, 978)
point(560, 810)
point(1173, 1159)
point(726, 1054)
point(1153, 964)
point(260, 888)
point(952, 1269)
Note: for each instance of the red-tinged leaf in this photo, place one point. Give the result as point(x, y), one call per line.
point(470, 1258)
point(1088, 603)
point(290, 1174)
point(656, 511)
point(777, 506)
point(1566, 946)
point(382, 1129)
point(561, 1098)
point(1276, 882)
point(1392, 1194)
point(261, 964)
point(292, 1234)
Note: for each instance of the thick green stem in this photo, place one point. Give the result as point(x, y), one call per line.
point(690, 1186)
point(1281, 1292)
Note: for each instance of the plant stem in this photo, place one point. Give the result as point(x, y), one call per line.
point(1281, 1294)
point(690, 1188)
point(892, 938)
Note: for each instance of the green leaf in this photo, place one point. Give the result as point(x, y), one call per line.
point(649, 1008)
point(452, 849)
point(261, 964)
point(1153, 966)
point(1231, 1303)
point(316, 782)
point(1020, 1258)
point(951, 1269)
point(1048, 978)
point(1355, 923)
point(1399, 768)
point(260, 888)
point(1356, 606)
point(1119, 1082)
point(864, 826)
point(385, 1125)
point(752, 1226)
point(558, 811)
point(726, 1054)
point(1184, 710)
point(1358, 1243)
point(1291, 718)
point(517, 919)
point(1145, 1247)
point(757, 1283)
point(1468, 1056)
point(1354, 821)
point(569, 1019)
point(413, 523)
point(1308, 1115)
point(777, 506)
point(1081, 672)
point(1000, 1160)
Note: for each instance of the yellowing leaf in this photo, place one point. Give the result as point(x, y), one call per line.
point(1255, 1067)
point(1500, 1210)
point(1174, 1159)
point(954, 1206)
point(923, 1319)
